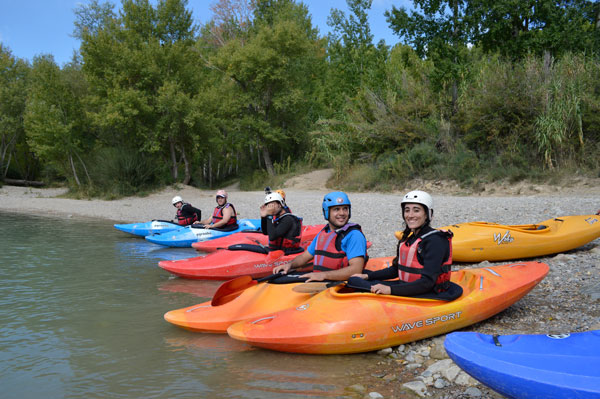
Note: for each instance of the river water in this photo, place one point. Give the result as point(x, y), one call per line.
point(81, 310)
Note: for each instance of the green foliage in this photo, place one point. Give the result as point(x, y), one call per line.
point(518, 28)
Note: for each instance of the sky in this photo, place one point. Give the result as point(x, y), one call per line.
point(35, 27)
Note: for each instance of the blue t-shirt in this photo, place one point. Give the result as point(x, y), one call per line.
point(354, 244)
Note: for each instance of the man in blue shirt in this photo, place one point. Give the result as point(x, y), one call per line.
point(339, 250)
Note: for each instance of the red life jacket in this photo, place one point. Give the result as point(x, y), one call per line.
point(185, 220)
point(409, 265)
point(328, 248)
point(218, 215)
point(286, 242)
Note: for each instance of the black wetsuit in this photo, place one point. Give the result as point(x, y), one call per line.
point(433, 251)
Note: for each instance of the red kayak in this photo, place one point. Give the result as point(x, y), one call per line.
point(252, 237)
point(226, 264)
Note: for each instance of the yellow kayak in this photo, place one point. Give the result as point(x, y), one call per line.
point(479, 241)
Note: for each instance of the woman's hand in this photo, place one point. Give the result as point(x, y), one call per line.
point(381, 289)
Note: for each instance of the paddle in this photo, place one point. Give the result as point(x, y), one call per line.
point(230, 289)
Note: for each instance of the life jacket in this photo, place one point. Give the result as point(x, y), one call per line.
point(218, 215)
point(409, 267)
point(185, 220)
point(328, 248)
point(287, 242)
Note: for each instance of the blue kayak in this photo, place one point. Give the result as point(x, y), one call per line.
point(147, 228)
point(531, 366)
point(188, 235)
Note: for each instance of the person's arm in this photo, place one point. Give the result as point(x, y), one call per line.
point(384, 274)
point(264, 227)
point(301, 260)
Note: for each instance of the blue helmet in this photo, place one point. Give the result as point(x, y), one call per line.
point(336, 198)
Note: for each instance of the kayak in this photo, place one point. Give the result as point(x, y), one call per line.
point(479, 241)
point(253, 238)
point(339, 320)
point(531, 366)
point(254, 301)
point(226, 264)
point(147, 228)
point(188, 235)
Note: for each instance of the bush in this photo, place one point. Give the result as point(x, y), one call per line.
point(117, 172)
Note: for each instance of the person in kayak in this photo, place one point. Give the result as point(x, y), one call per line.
point(283, 228)
point(224, 217)
point(423, 257)
point(339, 250)
point(282, 193)
point(186, 213)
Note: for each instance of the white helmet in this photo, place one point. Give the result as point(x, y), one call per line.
point(274, 196)
point(176, 199)
point(419, 197)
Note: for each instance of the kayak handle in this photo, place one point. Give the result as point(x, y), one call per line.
point(262, 319)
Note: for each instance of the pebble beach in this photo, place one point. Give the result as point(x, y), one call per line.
point(567, 300)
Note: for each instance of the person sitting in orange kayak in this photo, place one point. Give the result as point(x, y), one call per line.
point(186, 213)
point(283, 228)
point(423, 258)
point(339, 250)
point(224, 217)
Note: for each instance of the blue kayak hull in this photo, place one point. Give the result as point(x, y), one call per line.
point(531, 366)
point(188, 235)
point(147, 228)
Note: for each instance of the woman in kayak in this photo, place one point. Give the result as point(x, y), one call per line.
point(186, 213)
point(224, 217)
point(423, 257)
point(283, 228)
point(338, 251)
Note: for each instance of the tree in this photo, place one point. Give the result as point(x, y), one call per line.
point(438, 30)
point(273, 72)
point(135, 62)
point(54, 122)
point(13, 94)
point(354, 61)
point(517, 28)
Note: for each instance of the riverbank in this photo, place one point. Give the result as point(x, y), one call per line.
point(568, 299)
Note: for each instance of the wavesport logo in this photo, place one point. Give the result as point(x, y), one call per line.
point(503, 239)
point(274, 264)
point(591, 220)
point(427, 322)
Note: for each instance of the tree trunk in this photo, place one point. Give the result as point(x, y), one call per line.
point(186, 163)
point(174, 169)
point(210, 176)
point(74, 171)
point(267, 159)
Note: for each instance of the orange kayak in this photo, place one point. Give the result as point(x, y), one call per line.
point(252, 237)
point(255, 301)
point(479, 241)
point(340, 321)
